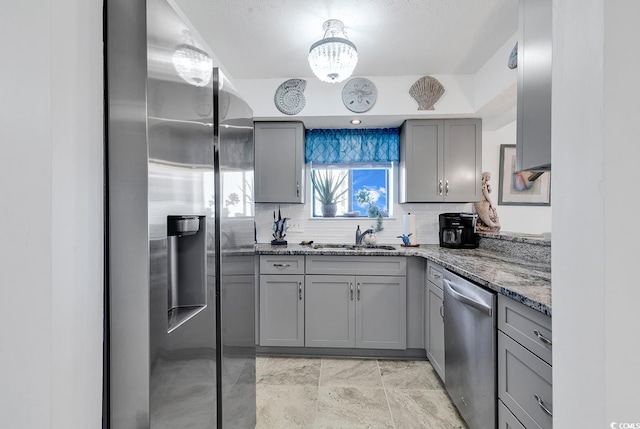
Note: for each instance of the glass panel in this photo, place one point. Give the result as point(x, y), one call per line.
point(367, 190)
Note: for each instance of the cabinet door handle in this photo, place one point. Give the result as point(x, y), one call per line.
point(440, 187)
point(436, 275)
point(446, 188)
point(351, 291)
point(542, 337)
point(282, 265)
point(300, 291)
point(442, 311)
point(541, 403)
point(358, 293)
point(297, 189)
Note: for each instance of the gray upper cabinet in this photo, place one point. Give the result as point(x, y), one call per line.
point(440, 160)
point(533, 144)
point(279, 166)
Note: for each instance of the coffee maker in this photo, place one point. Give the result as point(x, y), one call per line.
point(458, 230)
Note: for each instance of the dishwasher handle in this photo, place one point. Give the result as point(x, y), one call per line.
point(466, 300)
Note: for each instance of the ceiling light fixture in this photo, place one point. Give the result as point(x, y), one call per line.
point(193, 64)
point(334, 57)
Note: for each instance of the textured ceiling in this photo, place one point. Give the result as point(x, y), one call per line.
point(270, 38)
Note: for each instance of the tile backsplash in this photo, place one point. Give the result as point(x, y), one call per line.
point(342, 230)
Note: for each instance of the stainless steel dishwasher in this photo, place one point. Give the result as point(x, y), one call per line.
point(470, 350)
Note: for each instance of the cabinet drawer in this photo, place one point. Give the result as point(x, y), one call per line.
point(282, 264)
point(357, 265)
point(524, 384)
point(527, 326)
point(238, 265)
point(434, 273)
point(506, 420)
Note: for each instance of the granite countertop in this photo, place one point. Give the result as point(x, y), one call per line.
point(525, 281)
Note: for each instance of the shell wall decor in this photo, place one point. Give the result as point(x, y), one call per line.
point(426, 91)
point(513, 58)
point(289, 97)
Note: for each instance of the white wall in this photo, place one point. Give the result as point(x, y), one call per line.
point(524, 219)
point(342, 230)
point(51, 253)
point(494, 76)
point(595, 156)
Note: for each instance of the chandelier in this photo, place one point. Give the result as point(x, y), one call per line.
point(334, 57)
point(194, 65)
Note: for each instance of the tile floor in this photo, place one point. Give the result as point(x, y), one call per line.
point(351, 393)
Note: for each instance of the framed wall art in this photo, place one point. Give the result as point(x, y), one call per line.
point(521, 188)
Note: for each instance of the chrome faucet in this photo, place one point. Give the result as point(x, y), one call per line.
point(360, 236)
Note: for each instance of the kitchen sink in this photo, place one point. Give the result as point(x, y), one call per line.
point(339, 246)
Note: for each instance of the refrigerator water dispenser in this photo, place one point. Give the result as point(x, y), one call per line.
point(186, 268)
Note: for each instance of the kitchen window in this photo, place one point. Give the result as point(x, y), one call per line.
point(361, 161)
point(367, 189)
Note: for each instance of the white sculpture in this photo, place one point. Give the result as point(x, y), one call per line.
point(488, 215)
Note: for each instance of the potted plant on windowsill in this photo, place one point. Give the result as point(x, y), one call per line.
point(327, 190)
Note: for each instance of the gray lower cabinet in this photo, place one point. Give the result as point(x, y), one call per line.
point(279, 162)
point(506, 419)
point(524, 370)
point(238, 294)
point(435, 329)
point(434, 318)
point(282, 310)
point(381, 312)
point(440, 160)
point(355, 311)
point(330, 311)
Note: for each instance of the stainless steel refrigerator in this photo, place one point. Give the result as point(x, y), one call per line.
point(180, 307)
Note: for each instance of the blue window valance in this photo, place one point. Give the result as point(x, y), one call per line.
point(361, 145)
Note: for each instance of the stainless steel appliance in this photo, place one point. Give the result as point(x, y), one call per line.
point(180, 281)
point(458, 230)
point(470, 350)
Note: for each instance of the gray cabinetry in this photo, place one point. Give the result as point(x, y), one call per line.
point(281, 303)
point(527, 326)
point(416, 270)
point(279, 162)
point(356, 311)
point(533, 143)
point(381, 312)
point(524, 370)
point(347, 308)
point(330, 312)
point(238, 292)
point(434, 319)
point(440, 160)
point(506, 419)
point(355, 265)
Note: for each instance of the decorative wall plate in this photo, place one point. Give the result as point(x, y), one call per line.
point(359, 94)
point(289, 97)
